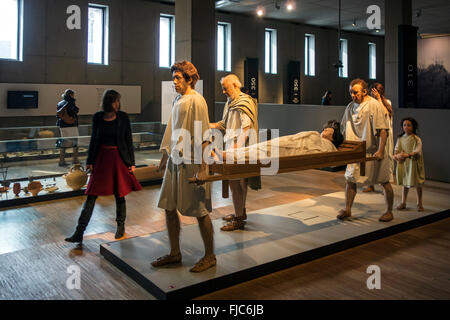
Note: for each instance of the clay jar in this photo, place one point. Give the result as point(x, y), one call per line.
point(34, 187)
point(16, 189)
point(76, 177)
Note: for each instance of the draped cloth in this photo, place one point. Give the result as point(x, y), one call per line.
point(411, 172)
point(363, 122)
point(189, 114)
point(248, 106)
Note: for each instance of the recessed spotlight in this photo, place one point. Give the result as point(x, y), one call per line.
point(260, 11)
point(354, 23)
point(377, 30)
point(290, 5)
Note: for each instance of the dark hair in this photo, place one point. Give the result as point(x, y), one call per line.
point(188, 70)
point(67, 93)
point(413, 122)
point(338, 138)
point(109, 96)
point(380, 88)
point(361, 82)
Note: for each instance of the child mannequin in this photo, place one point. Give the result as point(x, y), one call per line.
point(410, 169)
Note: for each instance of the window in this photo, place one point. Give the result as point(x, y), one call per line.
point(166, 41)
point(310, 62)
point(11, 29)
point(343, 72)
point(271, 51)
point(98, 34)
point(372, 61)
point(224, 46)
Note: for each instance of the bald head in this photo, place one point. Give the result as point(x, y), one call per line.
point(231, 86)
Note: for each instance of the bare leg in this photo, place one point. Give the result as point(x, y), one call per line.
point(206, 230)
point(244, 191)
point(419, 199)
point(209, 259)
point(389, 200)
point(173, 229)
point(350, 193)
point(237, 194)
point(62, 156)
point(402, 205)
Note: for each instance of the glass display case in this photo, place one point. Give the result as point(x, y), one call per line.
point(32, 154)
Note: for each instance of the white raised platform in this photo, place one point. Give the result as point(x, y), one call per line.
point(274, 238)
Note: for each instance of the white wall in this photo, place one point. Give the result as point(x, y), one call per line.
point(88, 98)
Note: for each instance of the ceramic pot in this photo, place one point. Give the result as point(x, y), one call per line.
point(34, 187)
point(76, 177)
point(16, 188)
point(46, 134)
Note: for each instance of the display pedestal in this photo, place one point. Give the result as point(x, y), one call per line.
point(274, 238)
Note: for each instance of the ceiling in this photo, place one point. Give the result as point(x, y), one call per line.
point(431, 16)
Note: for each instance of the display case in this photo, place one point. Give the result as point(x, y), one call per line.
point(32, 154)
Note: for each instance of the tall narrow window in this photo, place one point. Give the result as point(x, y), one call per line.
point(224, 46)
point(98, 34)
point(310, 62)
point(271, 51)
point(343, 72)
point(11, 29)
point(166, 41)
point(372, 61)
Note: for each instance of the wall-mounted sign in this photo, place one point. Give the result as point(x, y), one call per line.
point(251, 76)
point(293, 82)
point(407, 66)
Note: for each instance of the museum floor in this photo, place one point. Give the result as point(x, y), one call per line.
point(34, 257)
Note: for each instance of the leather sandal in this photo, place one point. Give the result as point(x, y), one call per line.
point(204, 264)
point(235, 224)
point(167, 259)
point(232, 216)
point(343, 214)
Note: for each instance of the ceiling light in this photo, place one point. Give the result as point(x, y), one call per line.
point(377, 30)
point(354, 23)
point(260, 11)
point(290, 5)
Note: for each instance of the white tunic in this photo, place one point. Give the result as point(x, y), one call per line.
point(176, 192)
point(362, 122)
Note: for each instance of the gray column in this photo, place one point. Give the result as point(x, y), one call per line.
point(396, 12)
point(195, 34)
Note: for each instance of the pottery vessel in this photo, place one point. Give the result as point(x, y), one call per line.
point(34, 187)
point(16, 188)
point(76, 177)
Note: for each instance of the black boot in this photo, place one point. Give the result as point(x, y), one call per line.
point(121, 213)
point(77, 236)
point(120, 230)
point(83, 220)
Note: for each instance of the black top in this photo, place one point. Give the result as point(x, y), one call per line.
point(108, 132)
point(72, 110)
point(123, 141)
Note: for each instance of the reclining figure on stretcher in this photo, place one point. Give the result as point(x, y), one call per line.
point(305, 142)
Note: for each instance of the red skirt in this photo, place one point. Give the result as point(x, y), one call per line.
point(110, 175)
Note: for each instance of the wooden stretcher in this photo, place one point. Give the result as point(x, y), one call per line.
point(348, 152)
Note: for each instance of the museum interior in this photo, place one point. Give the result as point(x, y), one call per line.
point(295, 60)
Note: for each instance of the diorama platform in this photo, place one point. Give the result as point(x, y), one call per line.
point(274, 238)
